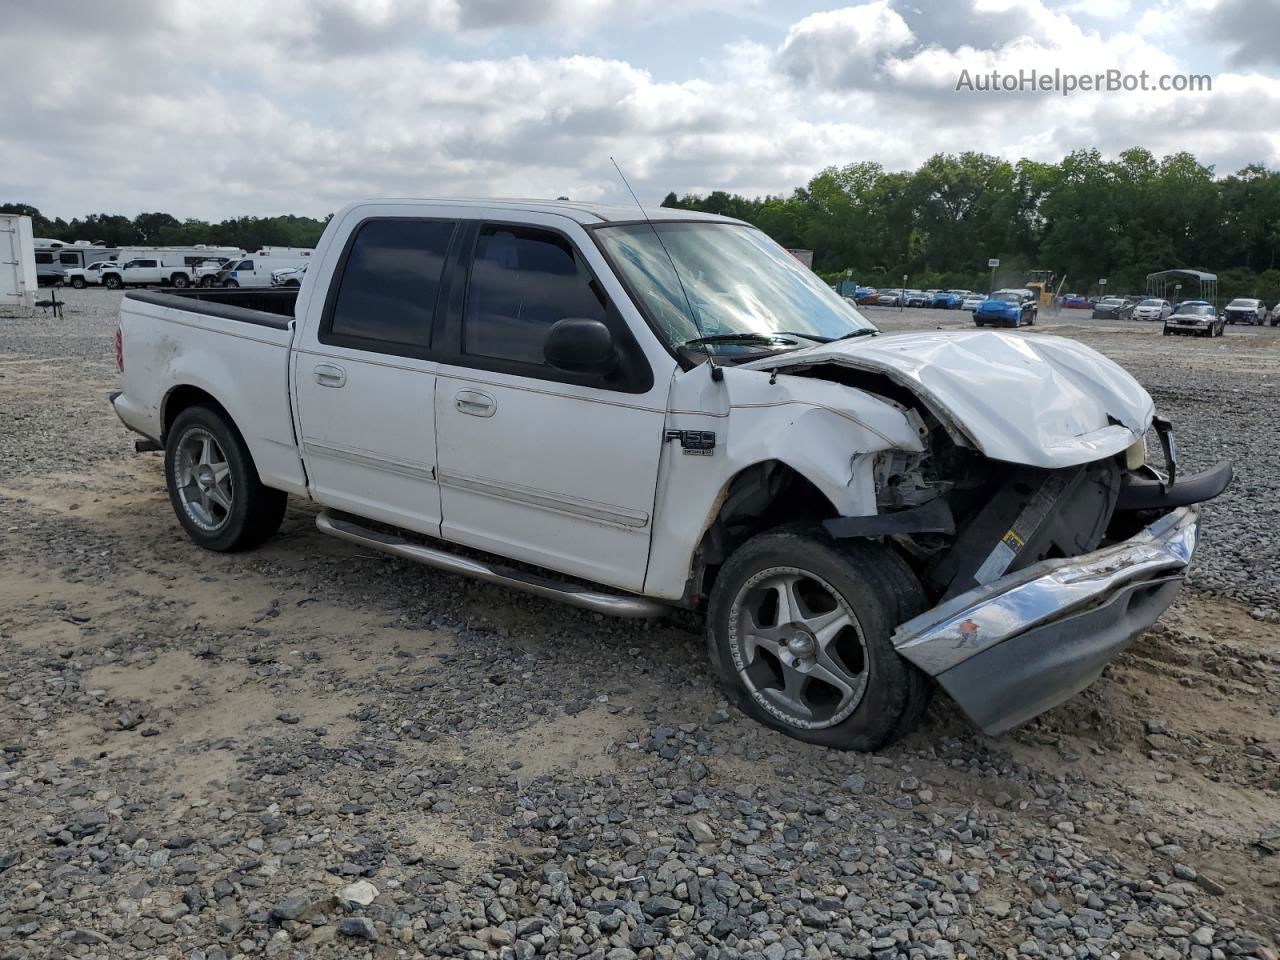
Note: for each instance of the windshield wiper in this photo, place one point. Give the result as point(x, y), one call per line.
point(864, 332)
point(751, 336)
point(769, 338)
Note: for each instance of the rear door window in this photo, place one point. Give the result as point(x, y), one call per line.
point(386, 298)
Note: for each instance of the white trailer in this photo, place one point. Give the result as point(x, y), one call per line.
point(17, 266)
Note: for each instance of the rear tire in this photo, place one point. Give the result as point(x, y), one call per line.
point(230, 283)
point(77, 283)
point(214, 486)
point(842, 603)
point(181, 281)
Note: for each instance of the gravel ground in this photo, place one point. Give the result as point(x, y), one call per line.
point(308, 751)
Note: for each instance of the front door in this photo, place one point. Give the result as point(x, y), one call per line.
point(537, 465)
point(363, 380)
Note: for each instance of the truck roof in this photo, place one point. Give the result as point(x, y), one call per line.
point(582, 211)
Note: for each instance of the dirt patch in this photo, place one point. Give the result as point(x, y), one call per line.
point(577, 745)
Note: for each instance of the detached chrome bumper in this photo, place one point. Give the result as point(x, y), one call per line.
point(1011, 649)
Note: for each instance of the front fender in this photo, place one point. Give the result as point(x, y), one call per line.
point(826, 432)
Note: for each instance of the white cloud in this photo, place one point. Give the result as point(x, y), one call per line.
point(844, 48)
point(302, 106)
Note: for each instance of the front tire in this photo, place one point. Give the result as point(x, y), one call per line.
point(214, 486)
point(181, 281)
point(799, 627)
point(77, 283)
point(113, 282)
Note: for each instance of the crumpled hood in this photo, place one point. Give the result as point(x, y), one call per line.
point(1038, 400)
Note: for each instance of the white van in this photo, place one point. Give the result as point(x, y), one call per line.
point(255, 270)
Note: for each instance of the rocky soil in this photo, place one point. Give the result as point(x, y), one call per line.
point(313, 752)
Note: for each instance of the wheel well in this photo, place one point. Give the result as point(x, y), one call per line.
point(180, 398)
point(759, 498)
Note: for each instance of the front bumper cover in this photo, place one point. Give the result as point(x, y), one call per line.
point(1011, 649)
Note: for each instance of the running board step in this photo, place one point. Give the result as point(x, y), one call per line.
point(571, 593)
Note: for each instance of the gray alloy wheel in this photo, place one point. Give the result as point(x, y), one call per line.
point(798, 648)
point(204, 484)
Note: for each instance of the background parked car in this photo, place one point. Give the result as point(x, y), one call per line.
point(971, 301)
point(1113, 308)
point(948, 299)
point(292, 277)
point(1246, 310)
point(1275, 315)
point(865, 295)
point(917, 298)
point(1007, 308)
point(1152, 309)
point(1195, 318)
point(890, 298)
point(81, 277)
point(1074, 301)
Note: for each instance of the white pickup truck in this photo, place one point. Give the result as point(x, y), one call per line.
point(630, 414)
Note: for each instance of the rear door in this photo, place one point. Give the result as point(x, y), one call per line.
point(535, 464)
point(364, 380)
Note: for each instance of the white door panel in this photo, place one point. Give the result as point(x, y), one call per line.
point(368, 435)
point(552, 474)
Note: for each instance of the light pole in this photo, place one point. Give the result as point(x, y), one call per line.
point(993, 263)
point(902, 294)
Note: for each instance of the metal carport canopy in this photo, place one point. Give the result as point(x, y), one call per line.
point(1199, 275)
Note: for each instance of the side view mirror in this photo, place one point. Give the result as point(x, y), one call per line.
point(578, 345)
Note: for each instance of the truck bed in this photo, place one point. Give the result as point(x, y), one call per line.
point(231, 346)
point(272, 307)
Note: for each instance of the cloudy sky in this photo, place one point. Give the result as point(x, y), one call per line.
point(213, 109)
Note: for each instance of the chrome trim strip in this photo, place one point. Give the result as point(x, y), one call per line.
point(567, 592)
point(979, 619)
point(361, 458)
point(558, 503)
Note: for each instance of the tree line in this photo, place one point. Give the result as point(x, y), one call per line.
point(166, 230)
point(1085, 218)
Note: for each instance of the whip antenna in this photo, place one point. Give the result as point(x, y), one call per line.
point(716, 372)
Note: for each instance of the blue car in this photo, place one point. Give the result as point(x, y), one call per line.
point(1007, 308)
point(948, 299)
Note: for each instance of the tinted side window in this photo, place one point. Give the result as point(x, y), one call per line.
point(44, 258)
point(68, 258)
point(245, 265)
point(390, 281)
point(148, 263)
point(523, 280)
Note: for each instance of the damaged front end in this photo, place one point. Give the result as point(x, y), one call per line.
point(1040, 572)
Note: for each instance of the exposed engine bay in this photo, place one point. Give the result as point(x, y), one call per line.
point(963, 520)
